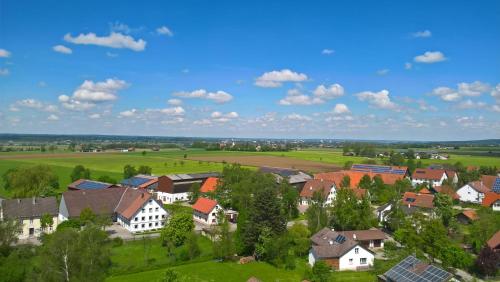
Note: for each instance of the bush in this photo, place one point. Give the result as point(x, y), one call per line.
point(117, 242)
point(70, 223)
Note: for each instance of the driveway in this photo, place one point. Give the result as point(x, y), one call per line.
point(116, 230)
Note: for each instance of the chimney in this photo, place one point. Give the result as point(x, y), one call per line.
point(409, 205)
point(354, 236)
point(330, 242)
point(33, 200)
point(18, 201)
point(310, 187)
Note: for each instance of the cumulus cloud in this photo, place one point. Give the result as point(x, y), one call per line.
point(297, 117)
point(219, 97)
point(174, 111)
point(327, 51)
point(33, 104)
point(341, 109)
point(202, 122)
point(174, 102)
point(469, 104)
point(4, 71)
point(463, 89)
point(330, 92)
point(277, 78)
point(295, 97)
point(379, 99)
point(62, 49)
point(53, 117)
point(495, 93)
point(99, 91)
point(222, 118)
point(74, 105)
point(430, 57)
point(114, 40)
point(163, 30)
point(4, 53)
point(129, 113)
point(422, 34)
point(95, 116)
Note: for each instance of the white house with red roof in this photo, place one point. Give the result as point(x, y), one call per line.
point(140, 212)
point(206, 211)
point(473, 192)
point(434, 177)
point(326, 188)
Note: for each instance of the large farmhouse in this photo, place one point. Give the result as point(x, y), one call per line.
point(433, 177)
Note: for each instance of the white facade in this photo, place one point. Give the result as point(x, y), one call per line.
point(469, 194)
point(151, 216)
point(496, 205)
point(328, 201)
point(168, 198)
point(357, 258)
point(434, 183)
point(210, 218)
point(382, 214)
point(32, 227)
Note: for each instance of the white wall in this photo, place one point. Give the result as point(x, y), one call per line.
point(312, 259)
point(382, 215)
point(469, 194)
point(352, 260)
point(36, 226)
point(212, 216)
point(434, 183)
point(150, 217)
point(329, 199)
point(496, 206)
point(168, 198)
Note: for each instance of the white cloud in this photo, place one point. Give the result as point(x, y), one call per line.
point(220, 117)
point(327, 51)
point(74, 105)
point(174, 102)
point(382, 72)
point(408, 66)
point(430, 57)
point(120, 27)
point(330, 92)
point(95, 92)
point(114, 40)
point(295, 97)
point(422, 34)
point(469, 104)
point(4, 71)
point(297, 117)
point(202, 122)
point(128, 113)
point(495, 93)
point(4, 53)
point(163, 30)
point(341, 109)
point(379, 100)
point(62, 49)
point(95, 116)
point(30, 103)
point(277, 78)
point(33, 104)
point(174, 120)
point(174, 111)
point(53, 117)
point(219, 97)
point(464, 89)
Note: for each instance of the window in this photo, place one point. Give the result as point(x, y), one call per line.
point(350, 261)
point(143, 218)
point(362, 261)
point(150, 217)
point(156, 223)
point(136, 219)
point(356, 250)
point(150, 224)
point(157, 209)
point(150, 209)
point(162, 223)
point(143, 210)
point(156, 216)
point(162, 216)
point(142, 225)
point(135, 226)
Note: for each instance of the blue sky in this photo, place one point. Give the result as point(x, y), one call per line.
point(406, 70)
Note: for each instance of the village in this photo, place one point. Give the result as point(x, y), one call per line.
point(350, 214)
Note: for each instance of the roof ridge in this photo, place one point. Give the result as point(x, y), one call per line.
point(121, 198)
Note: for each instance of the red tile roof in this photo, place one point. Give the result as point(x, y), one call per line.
point(490, 198)
point(479, 186)
point(494, 241)
point(355, 177)
point(314, 185)
point(210, 185)
point(448, 190)
point(424, 191)
point(419, 200)
point(488, 180)
point(204, 205)
point(428, 174)
point(470, 214)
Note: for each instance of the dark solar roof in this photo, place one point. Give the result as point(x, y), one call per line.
point(285, 172)
point(412, 269)
point(135, 181)
point(496, 185)
point(92, 185)
point(378, 168)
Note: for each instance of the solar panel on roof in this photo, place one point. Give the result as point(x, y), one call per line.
point(91, 185)
point(496, 185)
point(340, 239)
point(135, 181)
point(404, 272)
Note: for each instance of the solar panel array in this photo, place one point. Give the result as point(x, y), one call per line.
point(135, 181)
point(92, 185)
point(378, 169)
point(404, 272)
point(340, 239)
point(496, 185)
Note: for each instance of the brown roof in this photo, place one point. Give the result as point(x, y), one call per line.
point(314, 185)
point(428, 174)
point(470, 214)
point(450, 173)
point(488, 180)
point(490, 198)
point(326, 244)
point(131, 201)
point(365, 235)
point(165, 184)
point(448, 190)
point(204, 205)
point(102, 201)
point(494, 241)
point(418, 200)
point(479, 186)
point(29, 207)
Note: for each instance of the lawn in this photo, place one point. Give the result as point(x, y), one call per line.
point(230, 271)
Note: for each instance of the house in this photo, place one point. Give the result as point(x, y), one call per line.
point(326, 188)
point(210, 185)
point(338, 176)
point(371, 238)
point(494, 242)
point(452, 175)
point(446, 189)
point(382, 169)
point(492, 199)
point(467, 216)
point(416, 202)
point(473, 192)
point(135, 210)
point(295, 177)
point(192, 177)
point(169, 191)
point(356, 176)
point(412, 269)
point(383, 211)
point(206, 211)
point(141, 181)
point(492, 182)
point(434, 177)
point(338, 251)
point(85, 184)
point(29, 212)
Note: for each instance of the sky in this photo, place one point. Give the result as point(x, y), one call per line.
point(380, 70)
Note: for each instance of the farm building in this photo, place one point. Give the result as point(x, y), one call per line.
point(412, 269)
point(85, 184)
point(141, 181)
point(206, 211)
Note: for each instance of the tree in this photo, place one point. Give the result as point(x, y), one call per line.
point(80, 172)
point(194, 192)
point(346, 182)
point(37, 180)
point(482, 229)
point(144, 169)
point(223, 246)
point(69, 255)
point(289, 199)
point(18, 265)
point(487, 261)
point(365, 182)
point(9, 231)
point(316, 214)
point(177, 229)
point(46, 221)
point(320, 272)
point(299, 239)
point(192, 245)
point(350, 213)
point(444, 207)
point(129, 171)
point(171, 276)
point(348, 165)
point(396, 159)
point(87, 216)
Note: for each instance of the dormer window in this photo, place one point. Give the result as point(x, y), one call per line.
point(356, 250)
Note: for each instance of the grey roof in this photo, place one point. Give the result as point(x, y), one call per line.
point(412, 269)
point(294, 176)
point(192, 176)
point(29, 207)
point(332, 244)
point(101, 202)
